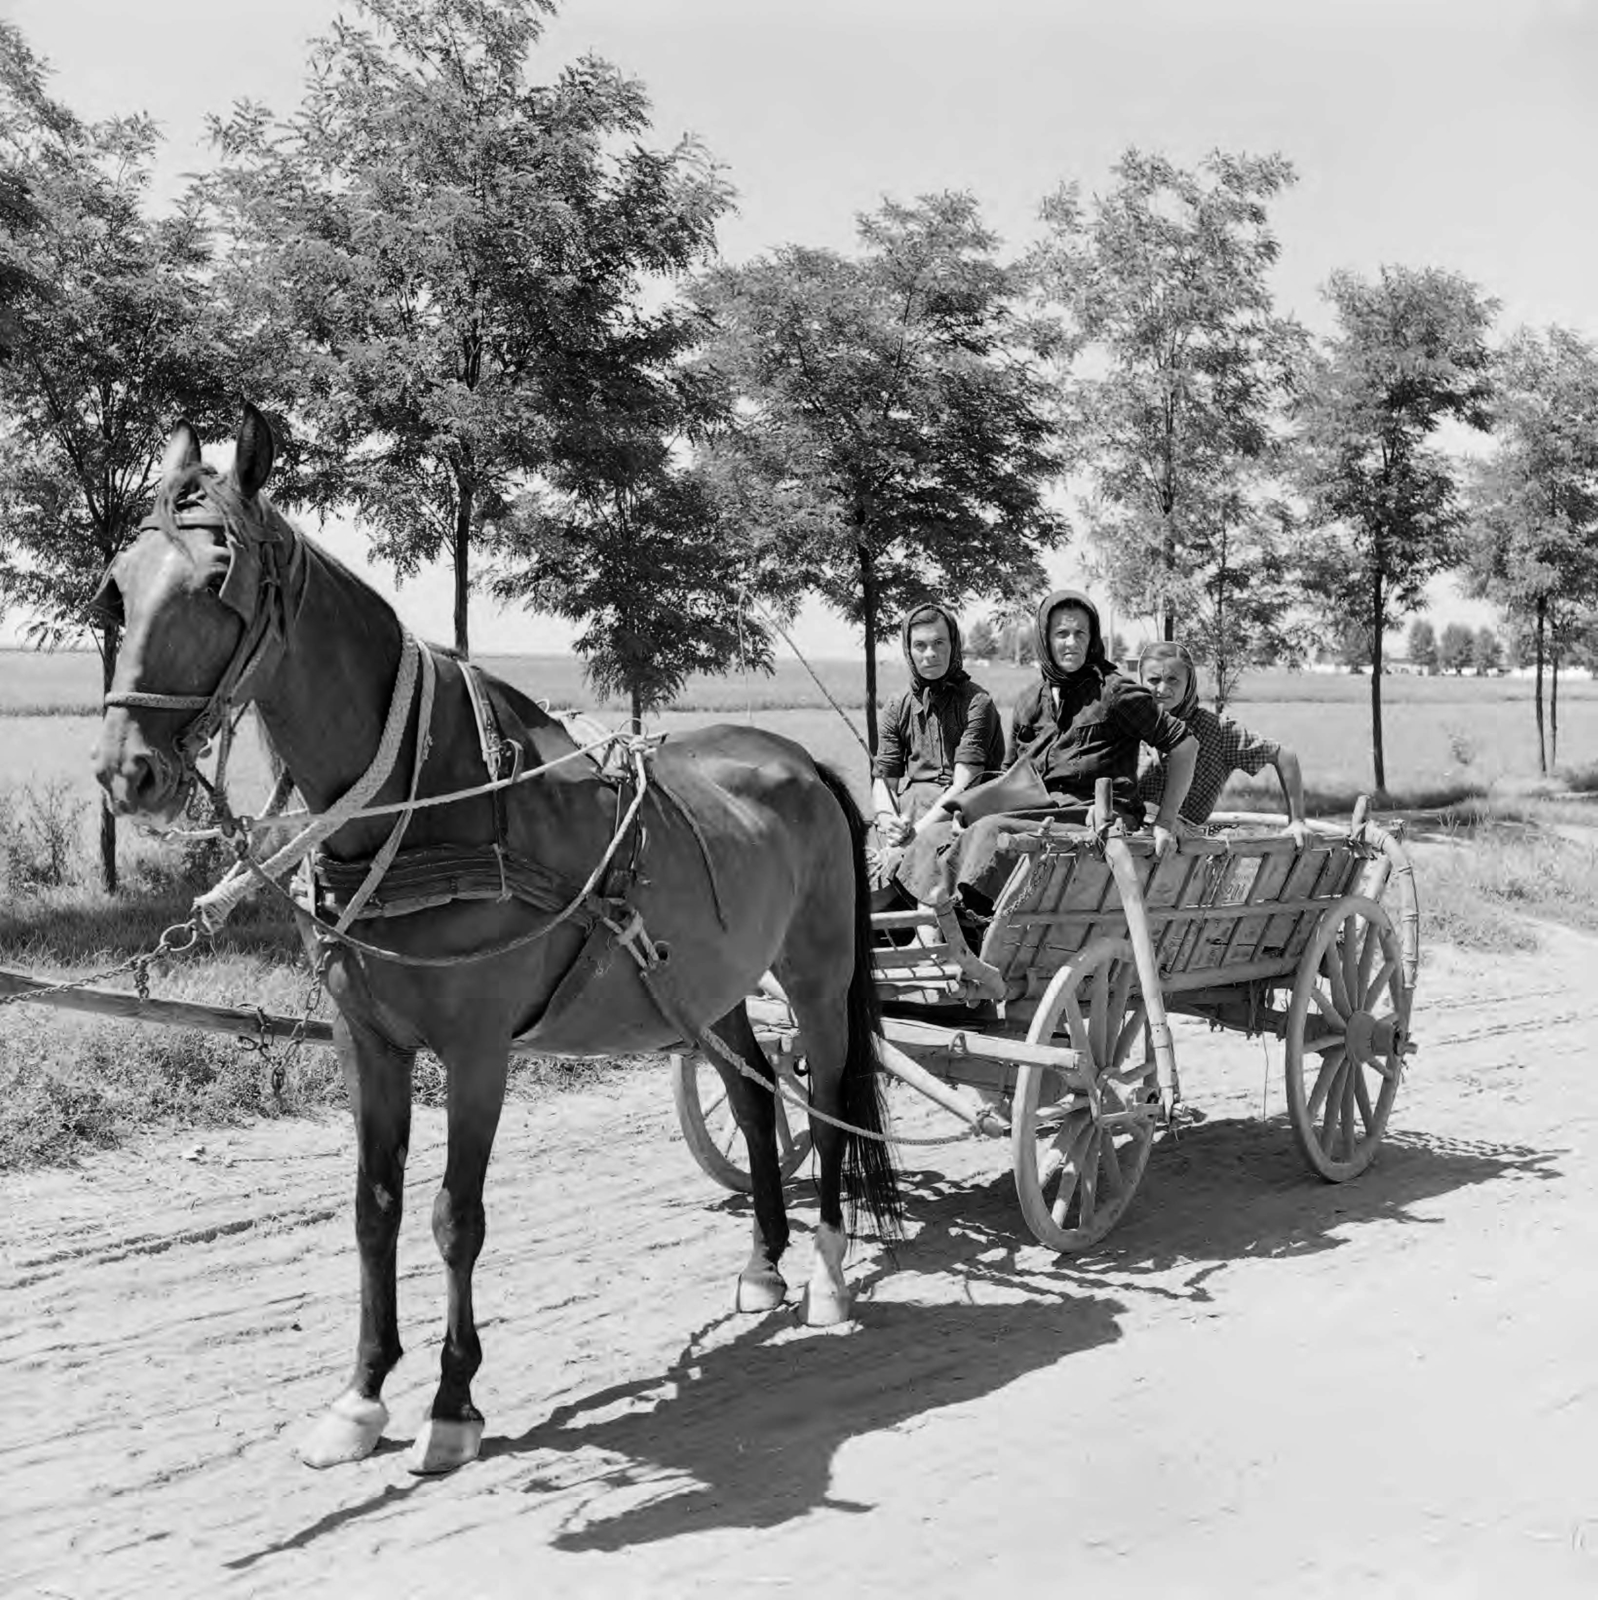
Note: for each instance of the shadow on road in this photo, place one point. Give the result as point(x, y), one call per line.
point(742, 1429)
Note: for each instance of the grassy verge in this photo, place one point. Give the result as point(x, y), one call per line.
point(1500, 879)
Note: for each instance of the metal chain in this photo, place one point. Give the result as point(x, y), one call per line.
point(138, 965)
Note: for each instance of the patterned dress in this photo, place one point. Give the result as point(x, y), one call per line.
point(1224, 747)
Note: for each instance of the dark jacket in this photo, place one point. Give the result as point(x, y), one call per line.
point(936, 724)
point(1078, 727)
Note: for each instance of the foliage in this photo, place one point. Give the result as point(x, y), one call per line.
point(1487, 654)
point(453, 263)
point(1533, 544)
point(1166, 282)
point(116, 337)
point(892, 427)
point(1423, 645)
point(1458, 648)
point(1410, 353)
point(981, 640)
point(651, 570)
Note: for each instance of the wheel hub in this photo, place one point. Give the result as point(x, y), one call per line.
point(1373, 1038)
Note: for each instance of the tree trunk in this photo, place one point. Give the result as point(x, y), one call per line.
point(462, 556)
point(1553, 702)
point(637, 709)
point(108, 818)
point(868, 615)
point(1542, 751)
point(1378, 760)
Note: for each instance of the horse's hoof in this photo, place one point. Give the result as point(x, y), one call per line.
point(825, 1309)
point(442, 1446)
point(348, 1431)
point(757, 1292)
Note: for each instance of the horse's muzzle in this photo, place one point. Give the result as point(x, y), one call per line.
point(137, 779)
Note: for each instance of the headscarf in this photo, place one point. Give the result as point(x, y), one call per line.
point(1167, 650)
point(1047, 665)
point(926, 611)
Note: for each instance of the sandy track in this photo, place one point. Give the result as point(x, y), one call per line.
point(1263, 1385)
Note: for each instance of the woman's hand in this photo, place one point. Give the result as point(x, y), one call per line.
point(1299, 829)
point(1167, 841)
point(892, 828)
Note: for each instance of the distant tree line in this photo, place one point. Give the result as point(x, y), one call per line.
point(484, 311)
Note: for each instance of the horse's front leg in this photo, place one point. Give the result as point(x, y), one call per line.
point(453, 1431)
point(377, 1075)
point(761, 1286)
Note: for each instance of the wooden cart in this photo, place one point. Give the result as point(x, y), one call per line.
point(1054, 1032)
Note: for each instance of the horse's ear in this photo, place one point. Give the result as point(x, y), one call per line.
point(182, 451)
point(257, 449)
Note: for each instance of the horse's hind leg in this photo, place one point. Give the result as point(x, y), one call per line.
point(761, 1286)
point(453, 1431)
point(378, 1077)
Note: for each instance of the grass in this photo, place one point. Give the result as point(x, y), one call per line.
point(1507, 871)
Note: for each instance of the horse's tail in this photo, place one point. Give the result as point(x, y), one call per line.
point(868, 1175)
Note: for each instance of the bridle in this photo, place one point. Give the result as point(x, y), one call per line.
point(261, 572)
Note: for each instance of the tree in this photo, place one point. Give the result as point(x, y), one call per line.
point(1410, 353)
point(981, 641)
point(893, 412)
point(456, 262)
point(113, 334)
point(648, 551)
point(1167, 280)
point(1488, 654)
point(1457, 650)
point(1533, 545)
point(1423, 645)
point(1239, 610)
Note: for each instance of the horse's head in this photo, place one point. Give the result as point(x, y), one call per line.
point(197, 598)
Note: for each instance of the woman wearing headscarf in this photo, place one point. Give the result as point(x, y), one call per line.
point(1224, 746)
point(1082, 721)
point(938, 738)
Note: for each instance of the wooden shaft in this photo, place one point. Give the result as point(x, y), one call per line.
point(1148, 968)
point(981, 1118)
point(167, 1013)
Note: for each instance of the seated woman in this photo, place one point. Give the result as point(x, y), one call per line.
point(938, 739)
point(1224, 746)
point(1080, 722)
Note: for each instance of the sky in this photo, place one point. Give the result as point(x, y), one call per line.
point(1425, 133)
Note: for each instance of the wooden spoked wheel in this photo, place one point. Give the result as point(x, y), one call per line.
point(711, 1132)
point(1346, 1031)
point(1080, 1138)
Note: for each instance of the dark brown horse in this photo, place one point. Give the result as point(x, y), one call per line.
point(743, 855)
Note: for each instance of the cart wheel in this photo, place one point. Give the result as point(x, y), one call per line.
point(1348, 1022)
point(711, 1131)
point(1080, 1139)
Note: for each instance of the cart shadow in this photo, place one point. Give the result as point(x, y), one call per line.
point(1229, 1190)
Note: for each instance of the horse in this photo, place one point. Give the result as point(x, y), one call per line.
point(585, 908)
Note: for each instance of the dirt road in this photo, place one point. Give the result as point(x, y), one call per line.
point(1262, 1386)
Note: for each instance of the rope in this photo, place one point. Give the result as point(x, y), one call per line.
point(826, 692)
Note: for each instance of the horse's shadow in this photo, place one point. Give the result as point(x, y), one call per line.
point(743, 1433)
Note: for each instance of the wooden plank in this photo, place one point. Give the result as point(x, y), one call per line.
point(1181, 913)
point(164, 1013)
